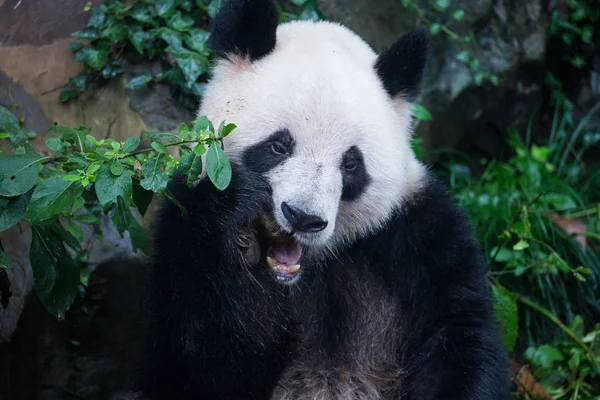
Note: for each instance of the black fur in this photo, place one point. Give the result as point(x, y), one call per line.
point(212, 336)
point(262, 157)
point(244, 27)
point(224, 330)
point(401, 66)
point(357, 179)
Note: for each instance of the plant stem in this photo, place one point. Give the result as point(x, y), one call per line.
point(135, 153)
point(546, 313)
point(585, 213)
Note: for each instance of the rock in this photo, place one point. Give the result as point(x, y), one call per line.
point(16, 282)
point(156, 103)
point(509, 38)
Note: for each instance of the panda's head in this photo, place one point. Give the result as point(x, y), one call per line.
point(323, 117)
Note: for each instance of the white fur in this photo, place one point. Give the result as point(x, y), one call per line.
point(320, 84)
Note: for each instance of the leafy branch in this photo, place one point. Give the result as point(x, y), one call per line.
point(172, 31)
point(86, 179)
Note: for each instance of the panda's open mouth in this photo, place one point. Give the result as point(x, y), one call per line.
point(281, 252)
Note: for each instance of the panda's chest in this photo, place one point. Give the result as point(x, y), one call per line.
point(349, 335)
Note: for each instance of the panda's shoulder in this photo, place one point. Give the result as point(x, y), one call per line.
point(429, 226)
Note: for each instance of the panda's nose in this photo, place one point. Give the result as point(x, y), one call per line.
point(302, 221)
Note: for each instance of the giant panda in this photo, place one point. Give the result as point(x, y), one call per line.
point(334, 265)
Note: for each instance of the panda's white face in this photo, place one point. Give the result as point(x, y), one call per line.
point(315, 119)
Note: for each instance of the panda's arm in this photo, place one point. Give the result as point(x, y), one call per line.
point(450, 347)
point(219, 330)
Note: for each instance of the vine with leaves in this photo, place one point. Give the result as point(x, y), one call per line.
point(172, 31)
point(87, 178)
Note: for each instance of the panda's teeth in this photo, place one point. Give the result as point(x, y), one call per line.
point(272, 262)
point(294, 268)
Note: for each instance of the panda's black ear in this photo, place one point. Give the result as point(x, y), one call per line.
point(401, 66)
point(244, 27)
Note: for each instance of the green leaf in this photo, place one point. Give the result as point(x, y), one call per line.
point(142, 198)
point(66, 236)
point(185, 163)
point(142, 12)
point(521, 245)
point(96, 59)
point(421, 113)
point(56, 145)
point(8, 121)
point(51, 197)
point(213, 7)
point(87, 219)
point(198, 41)
point(441, 5)
point(154, 136)
point(506, 312)
point(116, 168)
point(109, 187)
point(202, 124)
point(154, 179)
point(66, 94)
point(78, 204)
point(75, 230)
point(125, 221)
point(545, 356)
point(463, 56)
point(116, 32)
point(195, 169)
point(225, 130)
point(435, 28)
point(55, 273)
point(164, 8)
point(192, 65)
point(159, 147)
point(4, 261)
point(503, 255)
point(97, 18)
point(18, 174)
point(75, 46)
point(175, 75)
point(131, 144)
point(218, 167)
point(138, 39)
point(13, 211)
point(78, 159)
point(183, 131)
point(180, 22)
point(171, 36)
point(139, 80)
point(78, 82)
point(200, 149)
point(87, 34)
point(458, 14)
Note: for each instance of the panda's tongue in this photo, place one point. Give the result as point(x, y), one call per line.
point(286, 252)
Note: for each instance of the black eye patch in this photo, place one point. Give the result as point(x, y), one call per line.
point(266, 155)
point(355, 178)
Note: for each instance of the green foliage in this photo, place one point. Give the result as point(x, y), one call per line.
point(506, 311)
point(537, 217)
point(566, 369)
point(173, 31)
point(576, 25)
point(440, 23)
point(86, 178)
